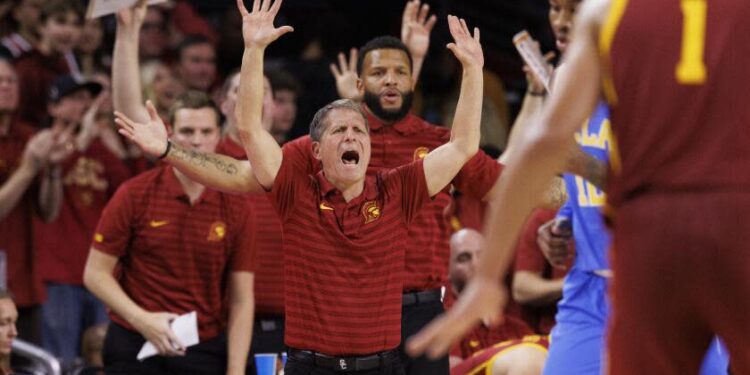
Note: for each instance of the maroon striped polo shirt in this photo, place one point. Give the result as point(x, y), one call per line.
point(401, 143)
point(344, 261)
point(175, 256)
point(269, 275)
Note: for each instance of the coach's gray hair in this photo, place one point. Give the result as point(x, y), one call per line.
point(318, 126)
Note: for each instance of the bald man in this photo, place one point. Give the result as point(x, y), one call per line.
point(504, 349)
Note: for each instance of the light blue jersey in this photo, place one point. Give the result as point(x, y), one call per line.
point(585, 200)
point(578, 340)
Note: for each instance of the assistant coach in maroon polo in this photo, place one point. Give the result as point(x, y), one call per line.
point(344, 232)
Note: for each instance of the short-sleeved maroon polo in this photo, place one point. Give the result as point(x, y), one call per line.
point(269, 275)
point(175, 256)
point(403, 142)
point(344, 261)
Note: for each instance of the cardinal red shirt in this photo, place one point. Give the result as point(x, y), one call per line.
point(175, 256)
point(401, 143)
point(89, 179)
point(344, 261)
point(530, 258)
point(269, 276)
point(15, 228)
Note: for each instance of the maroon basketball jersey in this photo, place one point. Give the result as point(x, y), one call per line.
point(677, 80)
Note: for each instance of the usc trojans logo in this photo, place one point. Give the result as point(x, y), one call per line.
point(371, 211)
point(420, 153)
point(217, 232)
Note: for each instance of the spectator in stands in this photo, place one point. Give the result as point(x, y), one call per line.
point(466, 245)
point(196, 63)
point(154, 39)
point(160, 85)
point(8, 332)
point(89, 53)
point(60, 24)
point(285, 91)
point(537, 285)
point(22, 157)
point(24, 16)
point(86, 181)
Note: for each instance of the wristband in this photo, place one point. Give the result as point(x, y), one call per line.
point(166, 152)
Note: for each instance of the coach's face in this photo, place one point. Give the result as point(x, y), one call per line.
point(344, 147)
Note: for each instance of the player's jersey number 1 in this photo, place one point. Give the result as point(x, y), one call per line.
point(691, 69)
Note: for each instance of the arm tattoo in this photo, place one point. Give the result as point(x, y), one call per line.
point(204, 160)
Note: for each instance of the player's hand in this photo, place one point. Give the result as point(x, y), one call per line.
point(481, 301)
point(154, 326)
point(553, 238)
point(346, 76)
point(416, 28)
point(132, 18)
point(257, 26)
point(151, 137)
point(466, 46)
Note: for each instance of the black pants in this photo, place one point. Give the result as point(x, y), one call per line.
point(121, 346)
point(413, 318)
point(268, 337)
point(306, 366)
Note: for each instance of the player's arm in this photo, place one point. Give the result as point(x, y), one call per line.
point(98, 277)
point(530, 288)
point(442, 164)
point(126, 84)
point(540, 155)
point(263, 152)
point(216, 171)
point(241, 317)
point(587, 166)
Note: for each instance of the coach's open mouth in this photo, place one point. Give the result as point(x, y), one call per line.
point(350, 157)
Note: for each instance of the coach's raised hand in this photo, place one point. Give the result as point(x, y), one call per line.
point(257, 26)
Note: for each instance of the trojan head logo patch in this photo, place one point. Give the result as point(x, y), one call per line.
point(420, 153)
point(371, 211)
point(217, 232)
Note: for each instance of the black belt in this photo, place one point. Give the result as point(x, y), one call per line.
point(344, 364)
point(415, 298)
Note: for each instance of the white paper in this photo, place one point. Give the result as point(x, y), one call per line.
point(533, 57)
point(98, 8)
point(185, 327)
